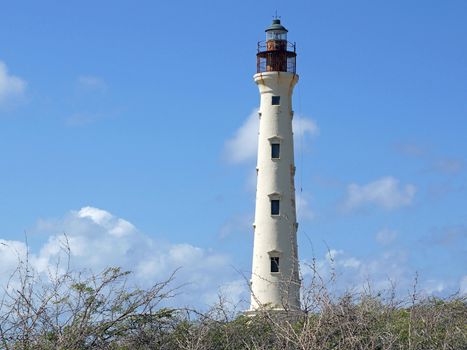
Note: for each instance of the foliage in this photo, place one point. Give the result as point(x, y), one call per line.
point(78, 311)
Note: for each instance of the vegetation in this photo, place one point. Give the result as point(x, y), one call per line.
point(74, 312)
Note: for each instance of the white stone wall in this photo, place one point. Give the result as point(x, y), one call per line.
point(275, 235)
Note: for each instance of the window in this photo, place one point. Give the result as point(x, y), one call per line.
point(275, 150)
point(274, 207)
point(276, 100)
point(274, 264)
point(276, 35)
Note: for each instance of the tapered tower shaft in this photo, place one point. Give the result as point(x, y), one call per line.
point(275, 279)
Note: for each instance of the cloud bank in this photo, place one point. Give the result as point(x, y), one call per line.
point(98, 239)
point(387, 271)
point(11, 87)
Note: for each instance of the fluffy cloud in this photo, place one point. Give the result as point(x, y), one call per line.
point(434, 286)
point(234, 294)
point(11, 252)
point(338, 258)
point(304, 126)
point(10, 86)
point(343, 272)
point(97, 239)
point(387, 271)
point(385, 192)
point(243, 146)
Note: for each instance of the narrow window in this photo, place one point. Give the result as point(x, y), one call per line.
point(274, 207)
point(275, 150)
point(276, 100)
point(274, 264)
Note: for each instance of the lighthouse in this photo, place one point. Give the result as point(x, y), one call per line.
point(275, 281)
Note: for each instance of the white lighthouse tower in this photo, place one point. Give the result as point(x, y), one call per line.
point(275, 282)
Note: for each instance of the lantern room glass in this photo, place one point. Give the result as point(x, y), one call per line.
point(276, 35)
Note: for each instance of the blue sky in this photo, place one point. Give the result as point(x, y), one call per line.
point(129, 125)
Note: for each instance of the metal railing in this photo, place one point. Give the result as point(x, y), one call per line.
point(276, 56)
point(278, 45)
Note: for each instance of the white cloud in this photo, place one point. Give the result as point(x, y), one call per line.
point(385, 192)
point(11, 252)
point(11, 87)
point(339, 258)
point(332, 254)
point(386, 236)
point(92, 83)
point(234, 294)
point(340, 272)
point(303, 126)
point(352, 263)
point(235, 290)
point(115, 226)
point(243, 146)
point(433, 286)
point(98, 239)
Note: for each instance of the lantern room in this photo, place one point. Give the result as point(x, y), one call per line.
point(276, 54)
point(276, 31)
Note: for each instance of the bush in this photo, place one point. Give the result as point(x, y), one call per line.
point(71, 311)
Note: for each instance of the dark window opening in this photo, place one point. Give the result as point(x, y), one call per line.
point(274, 207)
point(276, 100)
point(274, 264)
point(275, 150)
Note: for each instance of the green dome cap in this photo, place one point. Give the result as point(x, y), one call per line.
point(276, 25)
